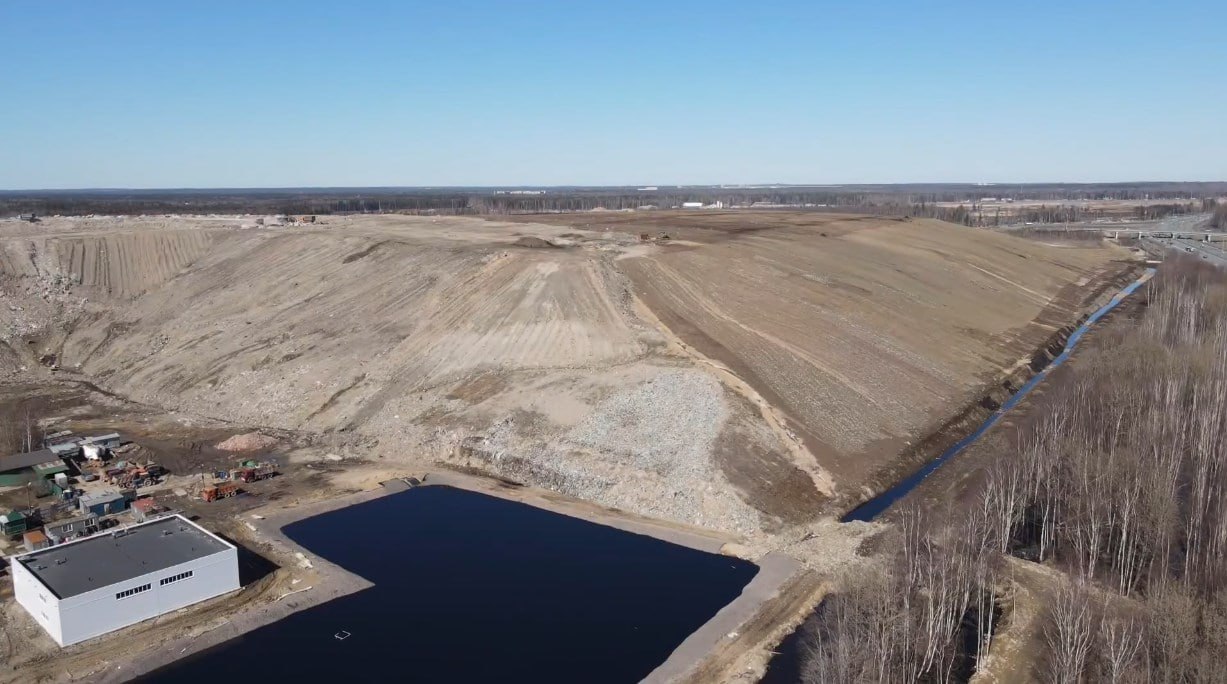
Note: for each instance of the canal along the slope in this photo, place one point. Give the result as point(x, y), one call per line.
point(874, 507)
point(785, 667)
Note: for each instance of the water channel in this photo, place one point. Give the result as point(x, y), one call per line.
point(785, 667)
point(474, 588)
point(874, 507)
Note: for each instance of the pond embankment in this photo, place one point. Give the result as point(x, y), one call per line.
point(327, 592)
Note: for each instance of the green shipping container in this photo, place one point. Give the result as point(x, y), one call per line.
point(13, 523)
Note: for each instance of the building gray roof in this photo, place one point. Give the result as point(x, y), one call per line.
point(65, 449)
point(19, 461)
point(57, 524)
point(92, 498)
point(111, 558)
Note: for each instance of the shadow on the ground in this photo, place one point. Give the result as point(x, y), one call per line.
point(252, 566)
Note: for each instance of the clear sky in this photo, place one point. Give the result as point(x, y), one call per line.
point(138, 93)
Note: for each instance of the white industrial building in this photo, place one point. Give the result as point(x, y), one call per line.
point(91, 586)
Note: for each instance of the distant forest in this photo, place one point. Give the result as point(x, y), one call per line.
point(912, 200)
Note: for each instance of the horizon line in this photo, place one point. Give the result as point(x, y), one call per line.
point(642, 187)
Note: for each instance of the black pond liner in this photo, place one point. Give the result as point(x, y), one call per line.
point(473, 588)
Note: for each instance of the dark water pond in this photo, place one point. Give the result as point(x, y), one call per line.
point(472, 588)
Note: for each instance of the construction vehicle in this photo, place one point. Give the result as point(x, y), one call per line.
point(221, 490)
point(132, 476)
point(262, 471)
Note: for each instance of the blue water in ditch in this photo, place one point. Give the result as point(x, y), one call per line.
point(472, 588)
point(876, 506)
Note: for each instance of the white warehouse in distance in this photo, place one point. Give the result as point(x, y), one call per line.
point(91, 586)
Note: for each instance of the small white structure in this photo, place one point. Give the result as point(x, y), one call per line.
point(91, 586)
point(692, 205)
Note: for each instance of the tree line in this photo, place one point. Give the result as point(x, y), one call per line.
point(1219, 218)
point(907, 199)
point(1116, 477)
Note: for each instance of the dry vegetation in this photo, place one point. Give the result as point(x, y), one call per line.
point(734, 376)
point(1117, 480)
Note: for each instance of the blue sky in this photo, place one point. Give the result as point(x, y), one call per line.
point(278, 94)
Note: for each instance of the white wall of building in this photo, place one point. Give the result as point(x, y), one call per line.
point(97, 612)
point(38, 601)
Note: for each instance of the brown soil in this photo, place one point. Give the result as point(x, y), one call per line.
point(765, 476)
point(251, 441)
point(535, 243)
point(851, 338)
point(959, 478)
point(782, 357)
point(868, 334)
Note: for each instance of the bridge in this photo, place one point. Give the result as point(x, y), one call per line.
point(1138, 233)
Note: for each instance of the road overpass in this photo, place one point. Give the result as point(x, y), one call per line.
point(1138, 233)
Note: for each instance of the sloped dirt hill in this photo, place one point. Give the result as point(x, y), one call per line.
point(312, 328)
point(867, 333)
point(114, 264)
point(733, 375)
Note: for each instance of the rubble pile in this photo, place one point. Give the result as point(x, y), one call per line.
point(645, 449)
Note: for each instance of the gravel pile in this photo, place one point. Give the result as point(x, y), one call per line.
point(666, 425)
point(31, 305)
point(252, 441)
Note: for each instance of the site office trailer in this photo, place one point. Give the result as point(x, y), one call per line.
point(85, 615)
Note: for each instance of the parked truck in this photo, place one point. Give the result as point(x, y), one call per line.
point(262, 471)
point(221, 490)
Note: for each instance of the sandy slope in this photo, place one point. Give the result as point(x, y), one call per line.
point(732, 379)
point(864, 333)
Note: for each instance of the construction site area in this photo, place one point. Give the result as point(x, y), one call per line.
point(747, 375)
